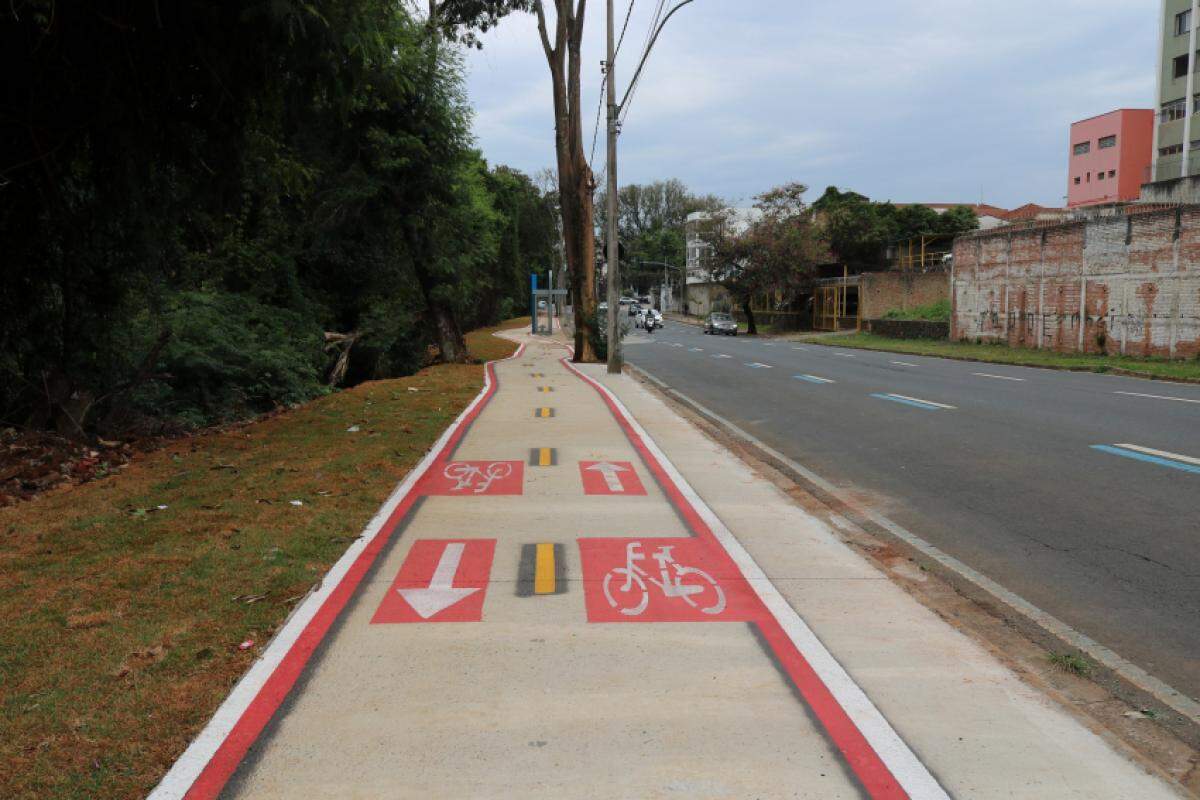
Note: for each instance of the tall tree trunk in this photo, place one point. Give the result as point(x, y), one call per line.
point(751, 328)
point(440, 316)
point(575, 180)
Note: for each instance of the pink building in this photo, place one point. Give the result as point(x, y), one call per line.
point(1110, 157)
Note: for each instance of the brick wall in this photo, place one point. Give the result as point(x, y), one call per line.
point(1127, 284)
point(880, 292)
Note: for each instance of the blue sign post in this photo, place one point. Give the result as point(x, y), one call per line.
point(533, 314)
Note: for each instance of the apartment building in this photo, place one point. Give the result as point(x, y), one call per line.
point(1176, 135)
point(1109, 157)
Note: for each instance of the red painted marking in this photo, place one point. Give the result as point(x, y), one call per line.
point(249, 726)
point(663, 580)
point(474, 478)
point(610, 477)
point(441, 580)
point(868, 767)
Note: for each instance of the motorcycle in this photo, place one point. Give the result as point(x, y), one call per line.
point(651, 323)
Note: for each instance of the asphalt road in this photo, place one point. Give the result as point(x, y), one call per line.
point(996, 465)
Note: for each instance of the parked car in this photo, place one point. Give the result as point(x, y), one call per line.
point(722, 323)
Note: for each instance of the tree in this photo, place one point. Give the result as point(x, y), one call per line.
point(652, 218)
point(774, 254)
point(860, 230)
point(575, 180)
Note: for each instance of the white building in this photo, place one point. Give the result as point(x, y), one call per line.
point(703, 294)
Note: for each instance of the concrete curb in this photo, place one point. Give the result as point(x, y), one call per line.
point(1119, 371)
point(1125, 680)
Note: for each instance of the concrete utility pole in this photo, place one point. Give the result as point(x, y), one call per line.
point(614, 260)
point(614, 111)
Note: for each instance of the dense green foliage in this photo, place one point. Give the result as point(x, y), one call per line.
point(859, 230)
point(192, 194)
point(938, 311)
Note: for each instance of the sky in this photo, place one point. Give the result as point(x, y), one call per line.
point(932, 101)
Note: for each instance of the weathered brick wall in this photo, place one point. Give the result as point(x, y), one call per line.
point(1122, 284)
point(880, 292)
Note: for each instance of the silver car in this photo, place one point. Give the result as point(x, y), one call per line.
point(720, 322)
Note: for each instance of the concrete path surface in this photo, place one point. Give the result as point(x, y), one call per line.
point(578, 595)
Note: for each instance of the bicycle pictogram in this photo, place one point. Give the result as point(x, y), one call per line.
point(691, 584)
point(478, 479)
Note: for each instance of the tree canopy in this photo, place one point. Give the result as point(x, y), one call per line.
point(207, 206)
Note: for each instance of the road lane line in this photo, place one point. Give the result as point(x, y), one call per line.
point(801, 349)
point(543, 569)
point(722, 355)
point(915, 402)
point(813, 379)
point(1159, 397)
point(1119, 450)
point(997, 377)
point(757, 365)
point(1150, 451)
point(846, 355)
point(904, 363)
point(696, 350)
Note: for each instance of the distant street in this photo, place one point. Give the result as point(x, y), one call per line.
point(1076, 491)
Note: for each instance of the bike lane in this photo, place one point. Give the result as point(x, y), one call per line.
point(484, 647)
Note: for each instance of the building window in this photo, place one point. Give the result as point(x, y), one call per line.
point(1112, 173)
point(1100, 175)
point(1176, 109)
point(1082, 148)
point(1179, 66)
point(1076, 180)
point(1107, 141)
point(1171, 150)
point(1183, 22)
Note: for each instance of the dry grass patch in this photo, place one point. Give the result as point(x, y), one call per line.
point(125, 602)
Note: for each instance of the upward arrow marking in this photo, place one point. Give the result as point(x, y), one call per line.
point(609, 471)
point(441, 593)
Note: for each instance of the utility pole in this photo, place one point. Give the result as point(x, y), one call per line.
point(614, 110)
point(614, 260)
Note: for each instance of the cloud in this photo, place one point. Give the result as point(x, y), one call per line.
point(934, 100)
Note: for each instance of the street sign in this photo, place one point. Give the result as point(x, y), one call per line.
point(662, 580)
point(441, 580)
point(610, 477)
point(474, 478)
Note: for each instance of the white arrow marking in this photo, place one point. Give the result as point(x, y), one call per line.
point(609, 471)
point(441, 593)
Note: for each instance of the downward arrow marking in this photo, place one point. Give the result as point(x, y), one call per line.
point(441, 593)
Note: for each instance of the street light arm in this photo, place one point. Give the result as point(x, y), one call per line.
point(633, 81)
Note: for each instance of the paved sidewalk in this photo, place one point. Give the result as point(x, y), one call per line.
point(579, 595)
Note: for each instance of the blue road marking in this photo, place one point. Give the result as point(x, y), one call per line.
point(907, 402)
point(812, 379)
point(1162, 462)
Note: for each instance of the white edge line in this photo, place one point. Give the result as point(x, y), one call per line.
point(997, 377)
point(1164, 693)
point(904, 363)
point(1161, 453)
point(919, 400)
point(1158, 397)
point(187, 768)
point(904, 765)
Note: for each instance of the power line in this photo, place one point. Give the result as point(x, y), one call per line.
point(624, 26)
point(604, 84)
point(647, 43)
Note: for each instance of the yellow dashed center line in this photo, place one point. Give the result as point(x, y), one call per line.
point(543, 570)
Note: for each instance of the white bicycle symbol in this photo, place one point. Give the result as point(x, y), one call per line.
point(636, 579)
point(472, 477)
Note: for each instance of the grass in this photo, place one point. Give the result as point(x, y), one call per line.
point(1019, 356)
point(1072, 663)
point(123, 601)
point(938, 311)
